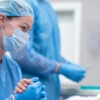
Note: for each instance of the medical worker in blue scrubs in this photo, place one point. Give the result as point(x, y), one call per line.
point(15, 21)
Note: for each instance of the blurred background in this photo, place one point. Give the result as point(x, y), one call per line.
point(79, 22)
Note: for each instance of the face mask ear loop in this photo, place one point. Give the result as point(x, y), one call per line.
point(10, 24)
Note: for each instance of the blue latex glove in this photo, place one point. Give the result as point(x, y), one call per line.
point(43, 89)
point(35, 91)
point(43, 93)
point(72, 71)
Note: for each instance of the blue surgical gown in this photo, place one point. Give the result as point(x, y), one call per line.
point(42, 53)
point(10, 75)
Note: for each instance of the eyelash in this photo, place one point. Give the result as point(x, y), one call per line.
point(24, 28)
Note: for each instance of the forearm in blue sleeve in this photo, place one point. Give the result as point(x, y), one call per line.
point(33, 62)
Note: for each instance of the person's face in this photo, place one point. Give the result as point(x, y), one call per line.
point(7, 26)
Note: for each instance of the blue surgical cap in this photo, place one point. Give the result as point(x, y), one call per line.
point(15, 8)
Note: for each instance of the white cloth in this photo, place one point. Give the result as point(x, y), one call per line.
point(84, 98)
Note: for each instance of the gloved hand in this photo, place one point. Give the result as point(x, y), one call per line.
point(43, 89)
point(34, 91)
point(72, 71)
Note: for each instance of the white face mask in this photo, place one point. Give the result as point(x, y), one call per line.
point(16, 42)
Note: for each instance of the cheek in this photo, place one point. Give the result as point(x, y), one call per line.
point(16, 24)
point(8, 31)
point(10, 28)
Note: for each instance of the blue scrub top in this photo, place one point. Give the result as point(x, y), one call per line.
point(10, 75)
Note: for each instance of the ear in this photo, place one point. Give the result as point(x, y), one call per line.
point(2, 20)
